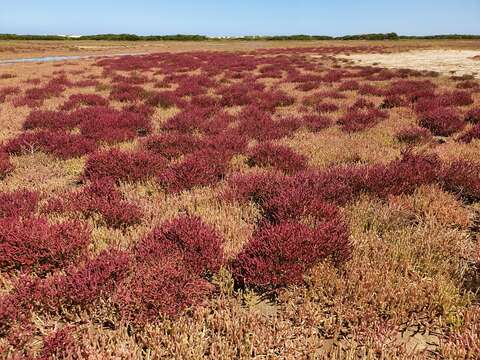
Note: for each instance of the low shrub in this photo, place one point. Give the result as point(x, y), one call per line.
point(58, 143)
point(278, 255)
point(19, 203)
point(124, 165)
point(441, 121)
point(6, 166)
point(462, 178)
point(172, 144)
point(125, 92)
point(99, 197)
point(54, 120)
point(470, 135)
point(104, 124)
point(404, 175)
point(85, 283)
point(165, 99)
point(200, 168)
point(358, 120)
point(316, 122)
point(473, 116)
point(189, 240)
point(76, 100)
point(34, 245)
point(277, 156)
point(413, 135)
point(162, 289)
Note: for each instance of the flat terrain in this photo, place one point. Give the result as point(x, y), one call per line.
point(239, 200)
point(444, 61)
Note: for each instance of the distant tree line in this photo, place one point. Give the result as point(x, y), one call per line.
point(182, 37)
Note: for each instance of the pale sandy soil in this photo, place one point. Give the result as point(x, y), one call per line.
point(448, 62)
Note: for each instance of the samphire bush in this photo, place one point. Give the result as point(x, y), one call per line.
point(19, 203)
point(278, 255)
point(277, 156)
point(441, 121)
point(34, 245)
point(6, 166)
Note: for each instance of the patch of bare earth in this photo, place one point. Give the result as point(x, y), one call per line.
point(448, 62)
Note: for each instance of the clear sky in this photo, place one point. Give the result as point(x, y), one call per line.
point(240, 17)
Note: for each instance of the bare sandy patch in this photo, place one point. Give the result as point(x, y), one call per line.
point(449, 62)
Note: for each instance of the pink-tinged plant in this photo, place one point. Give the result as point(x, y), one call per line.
point(83, 284)
point(462, 178)
point(163, 288)
point(100, 197)
point(76, 100)
point(325, 107)
point(392, 101)
point(349, 85)
point(125, 92)
point(473, 116)
point(165, 99)
point(200, 168)
point(404, 175)
point(34, 245)
point(362, 103)
point(227, 143)
point(187, 120)
point(371, 90)
point(256, 187)
point(470, 135)
point(19, 203)
point(441, 121)
point(60, 344)
point(6, 166)
point(316, 122)
point(337, 185)
point(124, 165)
point(186, 238)
point(468, 84)
point(278, 255)
point(358, 120)
point(104, 124)
point(58, 143)
point(54, 120)
point(413, 135)
point(259, 125)
point(172, 144)
point(9, 90)
point(277, 156)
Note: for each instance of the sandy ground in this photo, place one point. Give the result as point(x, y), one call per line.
point(12, 49)
point(444, 61)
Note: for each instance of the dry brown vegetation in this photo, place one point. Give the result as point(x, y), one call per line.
point(410, 285)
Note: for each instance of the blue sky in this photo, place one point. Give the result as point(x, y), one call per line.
point(241, 17)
